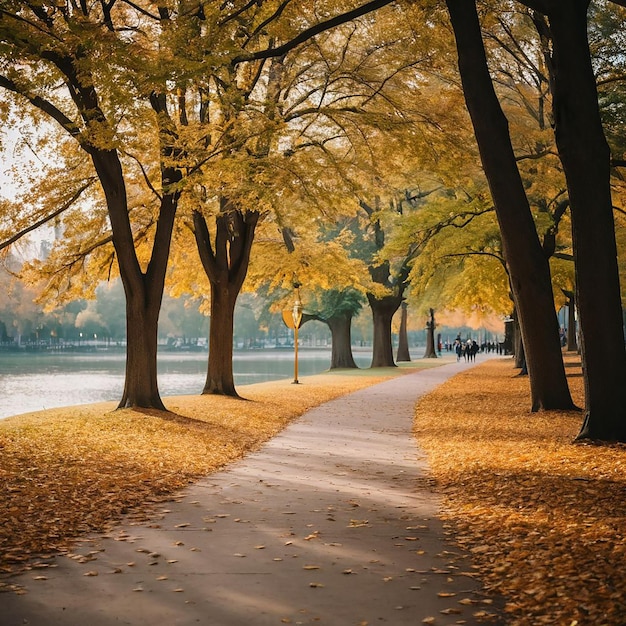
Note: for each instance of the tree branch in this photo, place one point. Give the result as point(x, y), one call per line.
point(308, 33)
point(47, 218)
point(537, 155)
point(43, 105)
point(141, 10)
point(493, 255)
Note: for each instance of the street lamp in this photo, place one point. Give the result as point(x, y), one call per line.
point(296, 314)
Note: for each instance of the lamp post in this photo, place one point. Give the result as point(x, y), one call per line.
point(296, 314)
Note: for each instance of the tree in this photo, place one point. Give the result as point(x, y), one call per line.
point(430, 352)
point(226, 266)
point(528, 268)
point(82, 49)
point(336, 308)
point(403, 353)
point(333, 284)
point(585, 155)
point(386, 299)
point(267, 107)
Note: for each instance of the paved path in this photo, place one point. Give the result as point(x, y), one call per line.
point(332, 522)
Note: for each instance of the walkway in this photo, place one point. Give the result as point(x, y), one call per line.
point(332, 522)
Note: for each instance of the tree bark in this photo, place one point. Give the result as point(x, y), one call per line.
point(220, 379)
point(140, 383)
point(585, 157)
point(383, 310)
point(528, 268)
point(226, 267)
point(518, 345)
point(520, 359)
point(341, 332)
point(403, 340)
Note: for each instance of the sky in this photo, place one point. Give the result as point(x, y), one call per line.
point(14, 150)
point(8, 139)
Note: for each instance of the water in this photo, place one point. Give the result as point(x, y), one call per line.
point(32, 382)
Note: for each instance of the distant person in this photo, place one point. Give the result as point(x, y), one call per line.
point(467, 350)
point(458, 348)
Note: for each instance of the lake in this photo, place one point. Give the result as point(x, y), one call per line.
point(36, 381)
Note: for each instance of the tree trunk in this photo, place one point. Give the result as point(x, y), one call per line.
point(528, 268)
point(341, 352)
point(220, 378)
point(383, 310)
point(140, 383)
point(431, 352)
point(586, 162)
point(226, 267)
point(520, 359)
point(403, 339)
point(144, 291)
point(572, 340)
point(508, 344)
point(518, 345)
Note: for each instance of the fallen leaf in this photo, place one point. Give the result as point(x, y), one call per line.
point(355, 523)
point(451, 611)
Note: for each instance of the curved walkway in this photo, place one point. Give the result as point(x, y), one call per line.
point(331, 522)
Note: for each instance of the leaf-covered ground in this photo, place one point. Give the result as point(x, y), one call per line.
point(545, 519)
point(65, 472)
